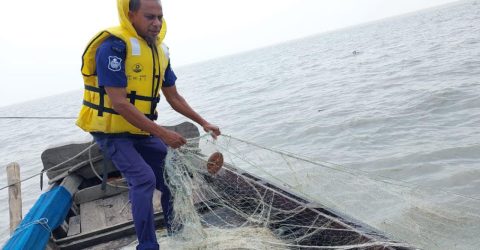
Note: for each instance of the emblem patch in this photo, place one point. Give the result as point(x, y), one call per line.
point(137, 68)
point(114, 63)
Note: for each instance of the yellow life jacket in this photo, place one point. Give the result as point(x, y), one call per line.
point(145, 70)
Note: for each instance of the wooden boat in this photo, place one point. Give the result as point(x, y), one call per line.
point(93, 217)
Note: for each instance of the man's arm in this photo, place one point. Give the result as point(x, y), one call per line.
point(120, 103)
point(179, 104)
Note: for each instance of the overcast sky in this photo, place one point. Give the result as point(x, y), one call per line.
point(41, 42)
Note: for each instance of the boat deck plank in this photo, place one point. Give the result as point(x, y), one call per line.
point(117, 209)
point(110, 211)
point(92, 216)
point(74, 225)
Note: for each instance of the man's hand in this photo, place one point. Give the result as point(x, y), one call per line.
point(215, 130)
point(173, 139)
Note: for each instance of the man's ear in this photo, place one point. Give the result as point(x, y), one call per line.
point(130, 15)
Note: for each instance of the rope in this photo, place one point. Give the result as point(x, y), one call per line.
point(98, 176)
point(26, 179)
point(50, 169)
point(79, 154)
point(42, 222)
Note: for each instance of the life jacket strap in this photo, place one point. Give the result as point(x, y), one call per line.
point(132, 96)
point(98, 107)
point(101, 104)
point(101, 90)
point(152, 117)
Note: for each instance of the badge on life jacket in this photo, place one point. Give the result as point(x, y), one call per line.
point(114, 63)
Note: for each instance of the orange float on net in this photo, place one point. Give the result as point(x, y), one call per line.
point(215, 162)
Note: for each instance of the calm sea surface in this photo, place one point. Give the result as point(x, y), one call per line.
point(398, 98)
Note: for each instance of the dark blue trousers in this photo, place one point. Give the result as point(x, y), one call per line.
point(141, 161)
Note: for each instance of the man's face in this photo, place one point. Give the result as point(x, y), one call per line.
point(147, 20)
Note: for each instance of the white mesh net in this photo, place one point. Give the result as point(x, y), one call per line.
point(268, 199)
point(245, 205)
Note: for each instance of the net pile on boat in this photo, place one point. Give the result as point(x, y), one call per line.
point(227, 210)
point(318, 205)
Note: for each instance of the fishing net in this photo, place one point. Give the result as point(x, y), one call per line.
point(256, 201)
point(264, 198)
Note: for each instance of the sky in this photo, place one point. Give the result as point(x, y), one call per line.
point(41, 42)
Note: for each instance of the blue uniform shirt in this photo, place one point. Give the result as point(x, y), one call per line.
point(114, 49)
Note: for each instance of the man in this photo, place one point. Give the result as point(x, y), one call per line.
point(123, 69)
